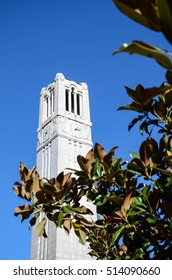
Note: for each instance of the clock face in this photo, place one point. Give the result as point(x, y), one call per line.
point(75, 129)
point(46, 133)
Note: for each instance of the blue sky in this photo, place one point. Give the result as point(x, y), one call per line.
point(40, 38)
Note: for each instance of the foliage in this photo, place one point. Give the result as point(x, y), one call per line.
point(133, 199)
point(153, 14)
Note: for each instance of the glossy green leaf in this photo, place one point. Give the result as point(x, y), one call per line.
point(151, 220)
point(68, 209)
point(59, 219)
point(135, 212)
point(139, 254)
point(117, 233)
point(134, 155)
point(97, 169)
point(100, 200)
point(138, 204)
point(163, 171)
point(141, 48)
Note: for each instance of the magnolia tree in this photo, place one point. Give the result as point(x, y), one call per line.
point(133, 199)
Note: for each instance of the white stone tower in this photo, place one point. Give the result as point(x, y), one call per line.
point(64, 131)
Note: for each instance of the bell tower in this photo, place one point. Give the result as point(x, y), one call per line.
point(64, 131)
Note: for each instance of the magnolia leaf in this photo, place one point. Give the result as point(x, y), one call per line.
point(45, 194)
point(139, 254)
point(165, 13)
point(144, 96)
point(133, 94)
point(128, 200)
point(66, 177)
point(40, 229)
point(90, 159)
point(90, 155)
point(168, 98)
point(82, 161)
point(36, 185)
point(58, 182)
point(171, 223)
point(133, 9)
point(61, 180)
point(134, 121)
point(151, 220)
point(80, 232)
point(68, 209)
point(97, 170)
point(135, 172)
point(163, 171)
point(32, 222)
point(149, 93)
point(117, 200)
point(136, 165)
point(58, 218)
point(17, 189)
point(76, 226)
point(99, 151)
point(160, 110)
point(133, 106)
point(138, 201)
point(117, 233)
point(153, 145)
point(67, 225)
point(69, 185)
point(25, 174)
point(144, 49)
point(134, 155)
point(128, 108)
point(80, 220)
point(143, 126)
point(120, 214)
point(20, 191)
point(109, 158)
point(145, 153)
point(166, 207)
point(25, 211)
point(82, 236)
point(154, 199)
point(36, 214)
point(169, 76)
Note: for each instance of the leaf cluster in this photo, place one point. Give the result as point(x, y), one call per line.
point(134, 219)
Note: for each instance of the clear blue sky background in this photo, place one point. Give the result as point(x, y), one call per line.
point(39, 38)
